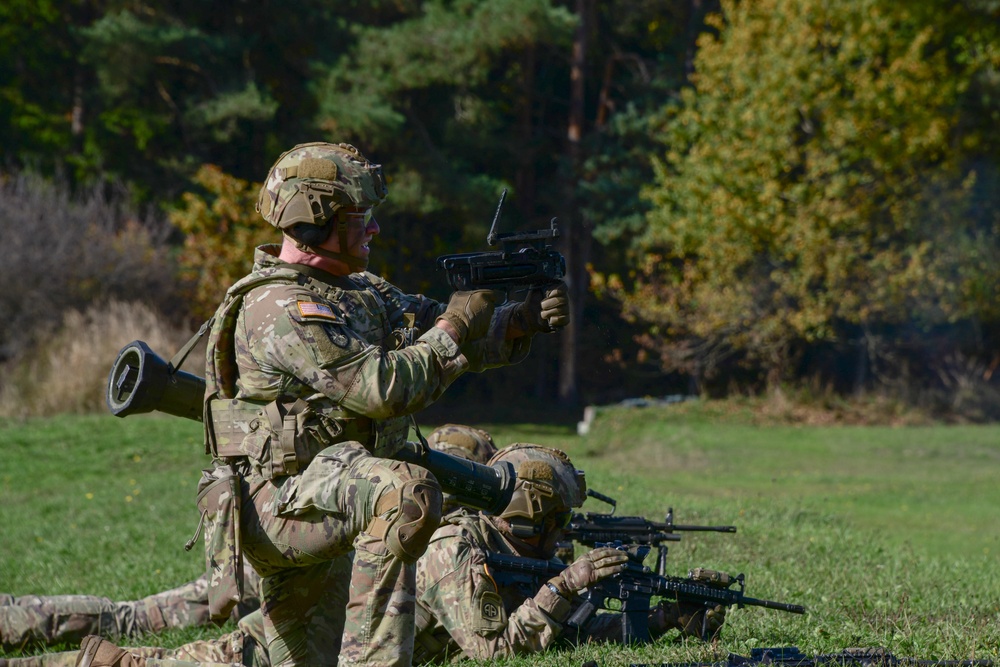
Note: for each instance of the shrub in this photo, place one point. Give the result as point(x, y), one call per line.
point(68, 369)
point(65, 251)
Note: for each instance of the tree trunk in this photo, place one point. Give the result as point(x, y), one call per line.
point(574, 229)
point(526, 187)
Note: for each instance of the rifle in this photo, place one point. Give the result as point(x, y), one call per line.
point(790, 656)
point(593, 528)
point(633, 588)
point(524, 261)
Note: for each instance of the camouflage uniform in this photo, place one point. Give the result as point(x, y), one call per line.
point(461, 610)
point(466, 442)
point(244, 646)
point(320, 355)
point(33, 620)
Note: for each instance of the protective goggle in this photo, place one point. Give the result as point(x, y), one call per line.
point(368, 214)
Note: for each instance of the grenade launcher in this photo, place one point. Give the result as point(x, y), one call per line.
point(524, 261)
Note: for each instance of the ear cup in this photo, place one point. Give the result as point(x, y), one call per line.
point(311, 235)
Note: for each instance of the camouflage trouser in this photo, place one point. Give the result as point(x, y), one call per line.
point(241, 647)
point(33, 620)
point(298, 533)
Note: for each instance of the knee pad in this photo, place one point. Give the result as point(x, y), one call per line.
point(407, 514)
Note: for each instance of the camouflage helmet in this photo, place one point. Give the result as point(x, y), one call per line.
point(308, 183)
point(463, 441)
point(547, 485)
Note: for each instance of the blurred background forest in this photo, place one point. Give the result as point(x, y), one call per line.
point(779, 197)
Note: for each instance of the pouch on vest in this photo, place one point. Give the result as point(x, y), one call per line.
point(219, 495)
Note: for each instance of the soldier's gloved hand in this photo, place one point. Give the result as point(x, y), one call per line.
point(469, 313)
point(544, 312)
point(590, 568)
point(691, 618)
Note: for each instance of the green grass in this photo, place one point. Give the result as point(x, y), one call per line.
point(890, 536)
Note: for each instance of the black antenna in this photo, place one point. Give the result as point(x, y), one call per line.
point(491, 238)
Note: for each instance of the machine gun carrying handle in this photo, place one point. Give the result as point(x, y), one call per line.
point(603, 498)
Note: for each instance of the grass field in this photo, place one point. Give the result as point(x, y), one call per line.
point(890, 536)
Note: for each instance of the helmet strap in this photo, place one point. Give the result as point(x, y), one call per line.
point(523, 528)
point(354, 263)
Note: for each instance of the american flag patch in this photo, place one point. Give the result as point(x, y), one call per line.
point(320, 310)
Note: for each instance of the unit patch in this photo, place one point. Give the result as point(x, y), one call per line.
point(310, 310)
point(491, 610)
point(492, 617)
point(337, 337)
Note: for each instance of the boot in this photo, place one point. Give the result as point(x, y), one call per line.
point(97, 652)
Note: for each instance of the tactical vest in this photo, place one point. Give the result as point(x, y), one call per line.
point(282, 434)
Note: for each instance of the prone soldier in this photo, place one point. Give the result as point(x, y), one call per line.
point(462, 610)
point(28, 621)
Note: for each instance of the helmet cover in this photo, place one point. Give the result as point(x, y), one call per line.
point(547, 483)
point(463, 441)
point(311, 182)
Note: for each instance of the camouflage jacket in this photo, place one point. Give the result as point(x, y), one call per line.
point(335, 344)
point(462, 612)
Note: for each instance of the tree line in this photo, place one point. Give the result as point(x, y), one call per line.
point(749, 193)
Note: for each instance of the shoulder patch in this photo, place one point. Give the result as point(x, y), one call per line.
point(310, 310)
point(491, 617)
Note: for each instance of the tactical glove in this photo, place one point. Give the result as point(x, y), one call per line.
point(590, 568)
point(470, 313)
point(691, 618)
point(544, 312)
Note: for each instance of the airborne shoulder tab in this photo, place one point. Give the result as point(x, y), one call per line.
point(310, 310)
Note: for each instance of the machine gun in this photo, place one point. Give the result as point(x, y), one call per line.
point(633, 588)
point(790, 656)
point(524, 261)
point(593, 528)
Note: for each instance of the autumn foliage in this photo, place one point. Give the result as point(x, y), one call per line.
point(822, 189)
